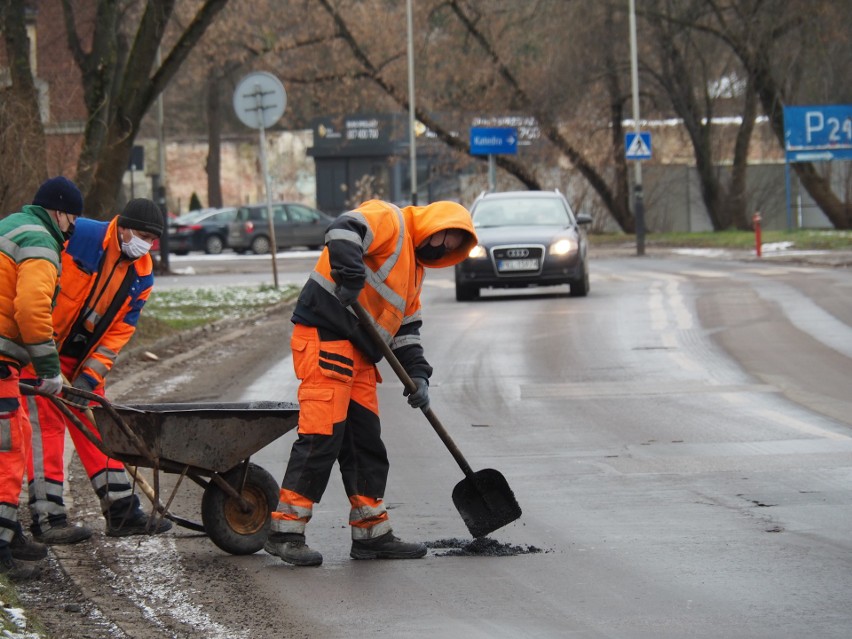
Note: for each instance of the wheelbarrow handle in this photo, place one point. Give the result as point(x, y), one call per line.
point(367, 322)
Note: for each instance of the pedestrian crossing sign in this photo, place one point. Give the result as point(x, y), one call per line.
point(637, 146)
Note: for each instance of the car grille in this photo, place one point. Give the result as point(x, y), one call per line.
point(523, 259)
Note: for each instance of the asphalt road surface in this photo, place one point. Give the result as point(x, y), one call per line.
point(680, 442)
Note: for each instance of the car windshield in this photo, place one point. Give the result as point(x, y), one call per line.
point(520, 212)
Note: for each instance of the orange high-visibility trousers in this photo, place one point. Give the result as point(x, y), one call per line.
point(46, 469)
point(338, 421)
point(15, 438)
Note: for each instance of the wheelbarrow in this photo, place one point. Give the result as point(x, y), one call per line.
point(211, 444)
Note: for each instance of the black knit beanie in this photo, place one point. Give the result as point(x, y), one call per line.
point(59, 194)
point(143, 215)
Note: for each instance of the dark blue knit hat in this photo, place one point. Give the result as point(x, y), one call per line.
point(143, 215)
point(59, 194)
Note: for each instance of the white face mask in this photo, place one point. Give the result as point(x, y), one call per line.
point(136, 247)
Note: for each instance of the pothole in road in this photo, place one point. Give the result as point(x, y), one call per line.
point(481, 547)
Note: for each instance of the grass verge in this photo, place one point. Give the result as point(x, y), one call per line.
point(800, 239)
point(170, 311)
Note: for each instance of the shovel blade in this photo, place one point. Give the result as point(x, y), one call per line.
point(485, 502)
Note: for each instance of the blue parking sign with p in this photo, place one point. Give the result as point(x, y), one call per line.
point(637, 146)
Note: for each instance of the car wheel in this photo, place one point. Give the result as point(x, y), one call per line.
point(580, 287)
point(466, 292)
point(260, 245)
point(213, 245)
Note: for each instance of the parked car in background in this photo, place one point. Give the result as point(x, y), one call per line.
point(526, 238)
point(295, 225)
point(202, 230)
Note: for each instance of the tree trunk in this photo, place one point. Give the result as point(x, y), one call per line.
point(736, 200)
point(213, 166)
point(23, 159)
point(121, 84)
point(838, 212)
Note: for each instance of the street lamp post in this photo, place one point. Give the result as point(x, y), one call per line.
point(639, 206)
point(411, 132)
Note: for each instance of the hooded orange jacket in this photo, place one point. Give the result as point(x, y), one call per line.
point(373, 247)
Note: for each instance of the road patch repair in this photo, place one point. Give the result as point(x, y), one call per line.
point(479, 547)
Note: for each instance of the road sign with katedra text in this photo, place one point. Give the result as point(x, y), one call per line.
point(496, 140)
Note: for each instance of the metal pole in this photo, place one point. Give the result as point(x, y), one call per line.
point(639, 205)
point(492, 173)
point(160, 190)
point(273, 246)
point(411, 132)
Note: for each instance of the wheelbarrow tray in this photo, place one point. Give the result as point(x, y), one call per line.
point(213, 437)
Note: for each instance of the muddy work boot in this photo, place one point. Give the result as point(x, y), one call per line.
point(17, 571)
point(386, 547)
point(24, 548)
point(63, 534)
point(291, 547)
point(136, 523)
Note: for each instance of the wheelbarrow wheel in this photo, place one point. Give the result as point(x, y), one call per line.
point(231, 529)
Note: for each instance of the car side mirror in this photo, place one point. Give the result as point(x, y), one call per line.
point(584, 218)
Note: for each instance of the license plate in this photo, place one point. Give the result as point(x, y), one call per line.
point(517, 265)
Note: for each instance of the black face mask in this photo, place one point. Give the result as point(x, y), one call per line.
point(430, 253)
point(67, 234)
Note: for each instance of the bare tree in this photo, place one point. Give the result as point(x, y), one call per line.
point(769, 37)
point(699, 79)
point(23, 162)
point(121, 83)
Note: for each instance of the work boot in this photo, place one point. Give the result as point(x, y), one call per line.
point(18, 571)
point(24, 548)
point(136, 523)
point(386, 546)
point(291, 547)
point(64, 534)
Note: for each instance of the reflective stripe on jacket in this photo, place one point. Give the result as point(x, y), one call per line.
point(101, 295)
point(30, 246)
point(374, 247)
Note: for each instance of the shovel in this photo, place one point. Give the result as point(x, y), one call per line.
point(483, 498)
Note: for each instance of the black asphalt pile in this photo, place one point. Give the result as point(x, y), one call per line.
point(481, 547)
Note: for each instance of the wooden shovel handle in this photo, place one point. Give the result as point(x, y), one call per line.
point(367, 323)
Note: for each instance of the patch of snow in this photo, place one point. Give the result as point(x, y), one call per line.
point(187, 270)
point(153, 566)
point(702, 252)
point(16, 617)
point(776, 246)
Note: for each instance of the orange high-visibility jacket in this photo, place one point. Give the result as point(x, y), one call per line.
point(374, 246)
point(30, 244)
point(100, 297)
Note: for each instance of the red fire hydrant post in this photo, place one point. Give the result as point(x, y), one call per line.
point(757, 243)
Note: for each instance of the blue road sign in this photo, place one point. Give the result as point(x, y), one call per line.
point(637, 146)
point(818, 133)
point(493, 140)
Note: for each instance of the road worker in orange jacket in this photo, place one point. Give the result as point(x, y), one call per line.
point(30, 246)
point(375, 254)
point(107, 274)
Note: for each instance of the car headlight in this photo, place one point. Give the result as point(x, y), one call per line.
point(563, 247)
point(476, 252)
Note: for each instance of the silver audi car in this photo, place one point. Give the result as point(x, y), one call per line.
point(526, 238)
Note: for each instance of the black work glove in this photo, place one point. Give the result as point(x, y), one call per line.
point(78, 401)
point(346, 295)
point(420, 397)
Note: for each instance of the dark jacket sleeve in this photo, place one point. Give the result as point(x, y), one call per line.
point(345, 256)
